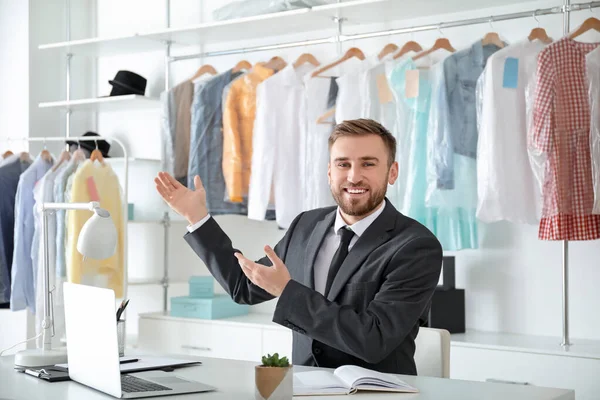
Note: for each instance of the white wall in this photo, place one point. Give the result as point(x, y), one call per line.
point(513, 282)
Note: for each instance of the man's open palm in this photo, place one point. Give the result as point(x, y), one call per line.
point(191, 204)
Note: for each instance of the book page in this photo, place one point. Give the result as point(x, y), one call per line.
point(318, 382)
point(365, 379)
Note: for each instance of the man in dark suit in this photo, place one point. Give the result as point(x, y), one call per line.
point(354, 282)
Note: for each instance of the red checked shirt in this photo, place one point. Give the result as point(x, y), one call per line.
point(561, 135)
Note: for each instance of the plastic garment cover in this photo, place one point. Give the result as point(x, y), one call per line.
point(167, 101)
point(561, 137)
point(95, 182)
point(414, 86)
point(239, 113)
point(249, 8)
point(457, 226)
point(593, 75)
point(503, 166)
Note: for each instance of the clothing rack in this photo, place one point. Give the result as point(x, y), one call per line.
point(565, 9)
point(126, 171)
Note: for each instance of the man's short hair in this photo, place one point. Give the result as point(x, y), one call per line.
point(363, 127)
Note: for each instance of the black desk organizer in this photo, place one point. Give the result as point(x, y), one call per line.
point(448, 303)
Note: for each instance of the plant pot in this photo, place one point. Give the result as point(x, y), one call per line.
point(273, 383)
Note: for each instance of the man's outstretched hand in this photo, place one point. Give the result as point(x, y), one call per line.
point(272, 279)
point(190, 204)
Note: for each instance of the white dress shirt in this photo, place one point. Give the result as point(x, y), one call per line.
point(329, 245)
point(332, 242)
point(277, 144)
point(506, 186)
point(592, 60)
point(349, 103)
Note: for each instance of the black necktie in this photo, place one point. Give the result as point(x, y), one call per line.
point(338, 257)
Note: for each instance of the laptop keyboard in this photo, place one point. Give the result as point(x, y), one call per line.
point(132, 384)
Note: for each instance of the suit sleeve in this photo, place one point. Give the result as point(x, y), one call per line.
point(215, 249)
point(372, 334)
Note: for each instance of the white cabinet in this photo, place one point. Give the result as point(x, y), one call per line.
point(241, 338)
point(474, 356)
point(523, 359)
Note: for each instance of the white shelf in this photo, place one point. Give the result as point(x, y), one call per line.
point(115, 103)
point(583, 348)
point(355, 13)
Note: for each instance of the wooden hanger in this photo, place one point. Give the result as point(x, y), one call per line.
point(440, 44)
point(205, 69)
point(276, 63)
point(352, 52)
point(64, 157)
point(539, 34)
point(387, 49)
point(7, 153)
point(306, 58)
point(97, 155)
point(24, 156)
point(46, 156)
point(408, 46)
point(324, 119)
point(241, 66)
point(588, 24)
point(492, 38)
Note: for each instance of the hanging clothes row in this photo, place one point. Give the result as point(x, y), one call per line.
point(258, 136)
point(27, 183)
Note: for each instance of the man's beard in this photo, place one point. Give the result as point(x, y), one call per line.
point(356, 207)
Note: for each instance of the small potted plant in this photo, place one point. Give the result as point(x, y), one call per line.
point(274, 379)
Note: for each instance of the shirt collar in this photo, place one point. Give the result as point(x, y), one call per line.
point(295, 76)
point(358, 227)
point(477, 51)
point(262, 72)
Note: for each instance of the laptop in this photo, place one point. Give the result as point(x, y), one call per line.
point(93, 353)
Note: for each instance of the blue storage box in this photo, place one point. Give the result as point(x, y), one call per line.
point(219, 306)
point(201, 287)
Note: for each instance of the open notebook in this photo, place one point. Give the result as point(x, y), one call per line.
point(347, 379)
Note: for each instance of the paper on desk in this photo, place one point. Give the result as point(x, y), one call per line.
point(147, 363)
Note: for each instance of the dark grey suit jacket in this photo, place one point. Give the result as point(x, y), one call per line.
point(378, 300)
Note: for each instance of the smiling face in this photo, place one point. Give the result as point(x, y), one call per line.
point(359, 172)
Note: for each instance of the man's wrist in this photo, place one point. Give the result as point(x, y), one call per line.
point(195, 218)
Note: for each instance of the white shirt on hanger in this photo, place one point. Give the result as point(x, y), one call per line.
point(277, 146)
point(349, 104)
point(506, 187)
point(592, 60)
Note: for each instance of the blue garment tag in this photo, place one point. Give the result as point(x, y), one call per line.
point(511, 73)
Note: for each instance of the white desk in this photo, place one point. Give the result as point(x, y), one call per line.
point(235, 380)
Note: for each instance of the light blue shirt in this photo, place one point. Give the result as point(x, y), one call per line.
point(23, 284)
point(60, 185)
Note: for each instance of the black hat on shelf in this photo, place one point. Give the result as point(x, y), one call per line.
point(90, 145)
point(127, 82)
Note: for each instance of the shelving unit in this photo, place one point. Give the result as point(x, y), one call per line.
point(352, 14)
point(115, 103)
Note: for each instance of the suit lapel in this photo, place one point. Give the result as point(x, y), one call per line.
point(314, 244)
point(375, 235)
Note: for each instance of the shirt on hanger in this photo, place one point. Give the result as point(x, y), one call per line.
point(503, 166)
point(593, 76)
point(183, 96)
point(90, 178)
point(461, 71)
point(9, 180)
point(238, 126)
point(278, 146)
point(349, 103)
point(206, 144)
point(560, 138)
point(23, 275)
point(44, 192)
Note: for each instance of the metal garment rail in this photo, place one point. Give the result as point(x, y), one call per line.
point(126, 172)
point(420, 28)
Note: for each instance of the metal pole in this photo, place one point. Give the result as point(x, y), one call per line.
point(68, 68)
point(565, 272)
point(47, 322)
point(165, 279)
